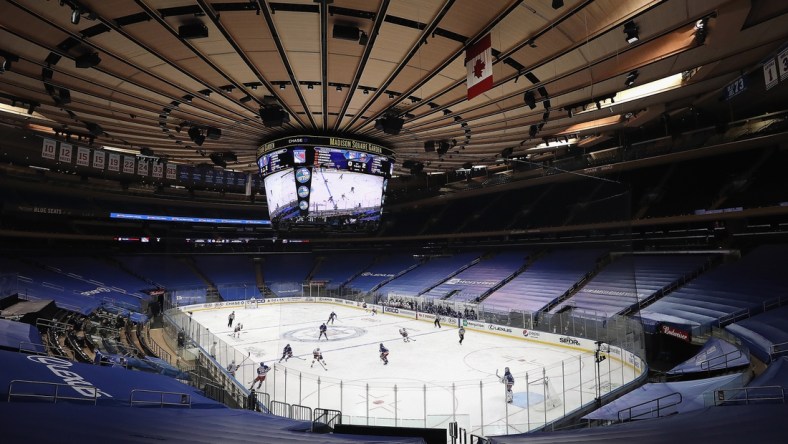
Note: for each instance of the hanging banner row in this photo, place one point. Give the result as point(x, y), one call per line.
point(97, 159)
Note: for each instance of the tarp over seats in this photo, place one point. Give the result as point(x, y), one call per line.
point(716, 354)
point(718, 425)
point(115, 384)
point(689, 397)
point(122, 424)
point(13, 334)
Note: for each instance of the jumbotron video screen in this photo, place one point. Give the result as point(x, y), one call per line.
point(325, 185)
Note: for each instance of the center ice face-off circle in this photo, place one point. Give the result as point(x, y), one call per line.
point(338, 333)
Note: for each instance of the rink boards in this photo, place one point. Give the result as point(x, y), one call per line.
point(627, 358)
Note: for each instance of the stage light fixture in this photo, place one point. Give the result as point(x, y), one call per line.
point(631, 77)
point(76, 14)
point(631, 30)
point(558, 4)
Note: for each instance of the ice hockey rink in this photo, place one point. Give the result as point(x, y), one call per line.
point(429, 382)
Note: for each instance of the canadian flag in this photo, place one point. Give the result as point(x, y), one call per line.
point(478, 61)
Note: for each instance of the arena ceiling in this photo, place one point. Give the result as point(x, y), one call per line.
point(576, 59)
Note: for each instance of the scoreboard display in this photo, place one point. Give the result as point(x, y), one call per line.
point(319, 181)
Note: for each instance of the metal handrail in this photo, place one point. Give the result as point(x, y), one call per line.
point(55, 397)
point(721, 397)
point(33, 350)
point(186, 399)
point(778, 349)
point(659, 407)
point(725, 356)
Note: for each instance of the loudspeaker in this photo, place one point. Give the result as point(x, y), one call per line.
point(218, 159)
point(213, 133)
point(88, 60)
point(389, 125)
point(274, 117)
point(94, 128)
point(343, 32)
point(193, 31)
point(530, 99)
point(443, 147)
point(429, 146)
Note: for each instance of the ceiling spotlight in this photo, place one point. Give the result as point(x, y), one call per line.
point(310, 86)
point(701, 30)
point(558, 4)
point(569, 112)
point(6, 66)
point(76, 14)
point(391, 95)
point(631, 77)
point(363, 39)
point(282, 85)
point(339, 87)
point(631, 30)
point(365, 91)
point(245, 99)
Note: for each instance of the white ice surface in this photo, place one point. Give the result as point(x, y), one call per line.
point(455, 382)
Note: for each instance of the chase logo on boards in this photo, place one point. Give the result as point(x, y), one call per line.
point(390, 310)
point(59, 367)
point(497, 328)
point(568, 340)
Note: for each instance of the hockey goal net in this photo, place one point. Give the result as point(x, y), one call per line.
point(551, 397)
point(251, 303)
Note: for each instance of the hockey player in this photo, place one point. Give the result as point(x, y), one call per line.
point(374, 311)
point(331, 318)
point(384, 354)
point(317, 355)
point(261, 372)
point(323, 329)
point(404, 334)
point(237, 330)
point(437, 322)
point(461, 332)
point(230, 319)
point(232, 368)
point(287, 353)
point(508, 379)
point(213, 350)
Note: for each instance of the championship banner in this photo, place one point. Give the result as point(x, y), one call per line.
point(142, 168)
point(66, 151)
point(114, 162)
point(128, 164)
point(83, 156)
point(99, 159)
point(172, 171)
point(158, 170)
point(48, 149)
point(478, 62)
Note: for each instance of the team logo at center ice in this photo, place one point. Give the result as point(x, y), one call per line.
point(335, 333)
point(302, 175)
